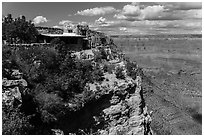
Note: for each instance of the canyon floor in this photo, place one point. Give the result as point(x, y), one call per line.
point(173, 68)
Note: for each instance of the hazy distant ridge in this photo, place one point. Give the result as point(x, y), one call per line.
point(160, 36)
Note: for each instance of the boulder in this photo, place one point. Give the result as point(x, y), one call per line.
point(10, 95)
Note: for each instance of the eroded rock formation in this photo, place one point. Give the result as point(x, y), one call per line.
point(127, 114)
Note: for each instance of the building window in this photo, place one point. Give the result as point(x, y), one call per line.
point(70, 31)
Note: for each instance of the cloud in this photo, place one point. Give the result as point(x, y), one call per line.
point(103, 23)
point(97, 11)
point(39, 19)
point(160, 11)
point(134, 12)
point(106, 26)
point(120, 16)
point(152, 12)
point(100, 20)
point(131, 10)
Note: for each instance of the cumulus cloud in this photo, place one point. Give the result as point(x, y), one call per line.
point(131, 10)
point(160, 11)
point(120, 16)
point(39, 19)
point(101, 20)
point(152, 12)
point(97, 11)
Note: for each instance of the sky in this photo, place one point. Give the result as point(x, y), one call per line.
point(135, 18)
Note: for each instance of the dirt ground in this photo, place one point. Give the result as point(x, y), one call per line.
point(174, 75)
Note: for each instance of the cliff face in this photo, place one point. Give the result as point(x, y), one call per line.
point(127, 113)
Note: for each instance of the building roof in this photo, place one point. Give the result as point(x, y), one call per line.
point(63, 35)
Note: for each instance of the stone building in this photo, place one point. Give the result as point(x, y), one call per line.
point(74, 41)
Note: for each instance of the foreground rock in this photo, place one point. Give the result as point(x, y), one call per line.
point(13, 88)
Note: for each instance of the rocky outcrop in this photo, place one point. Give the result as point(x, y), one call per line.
point(13, 88)
point(127, 114)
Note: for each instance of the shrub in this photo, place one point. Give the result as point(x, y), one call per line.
point(108, 68)
point(36, 62)
point(15, 123)
point(119, 73)
point(97, 75)
point(131, 69)
point(100, 55)
point(50, 106)
point(60, 46)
